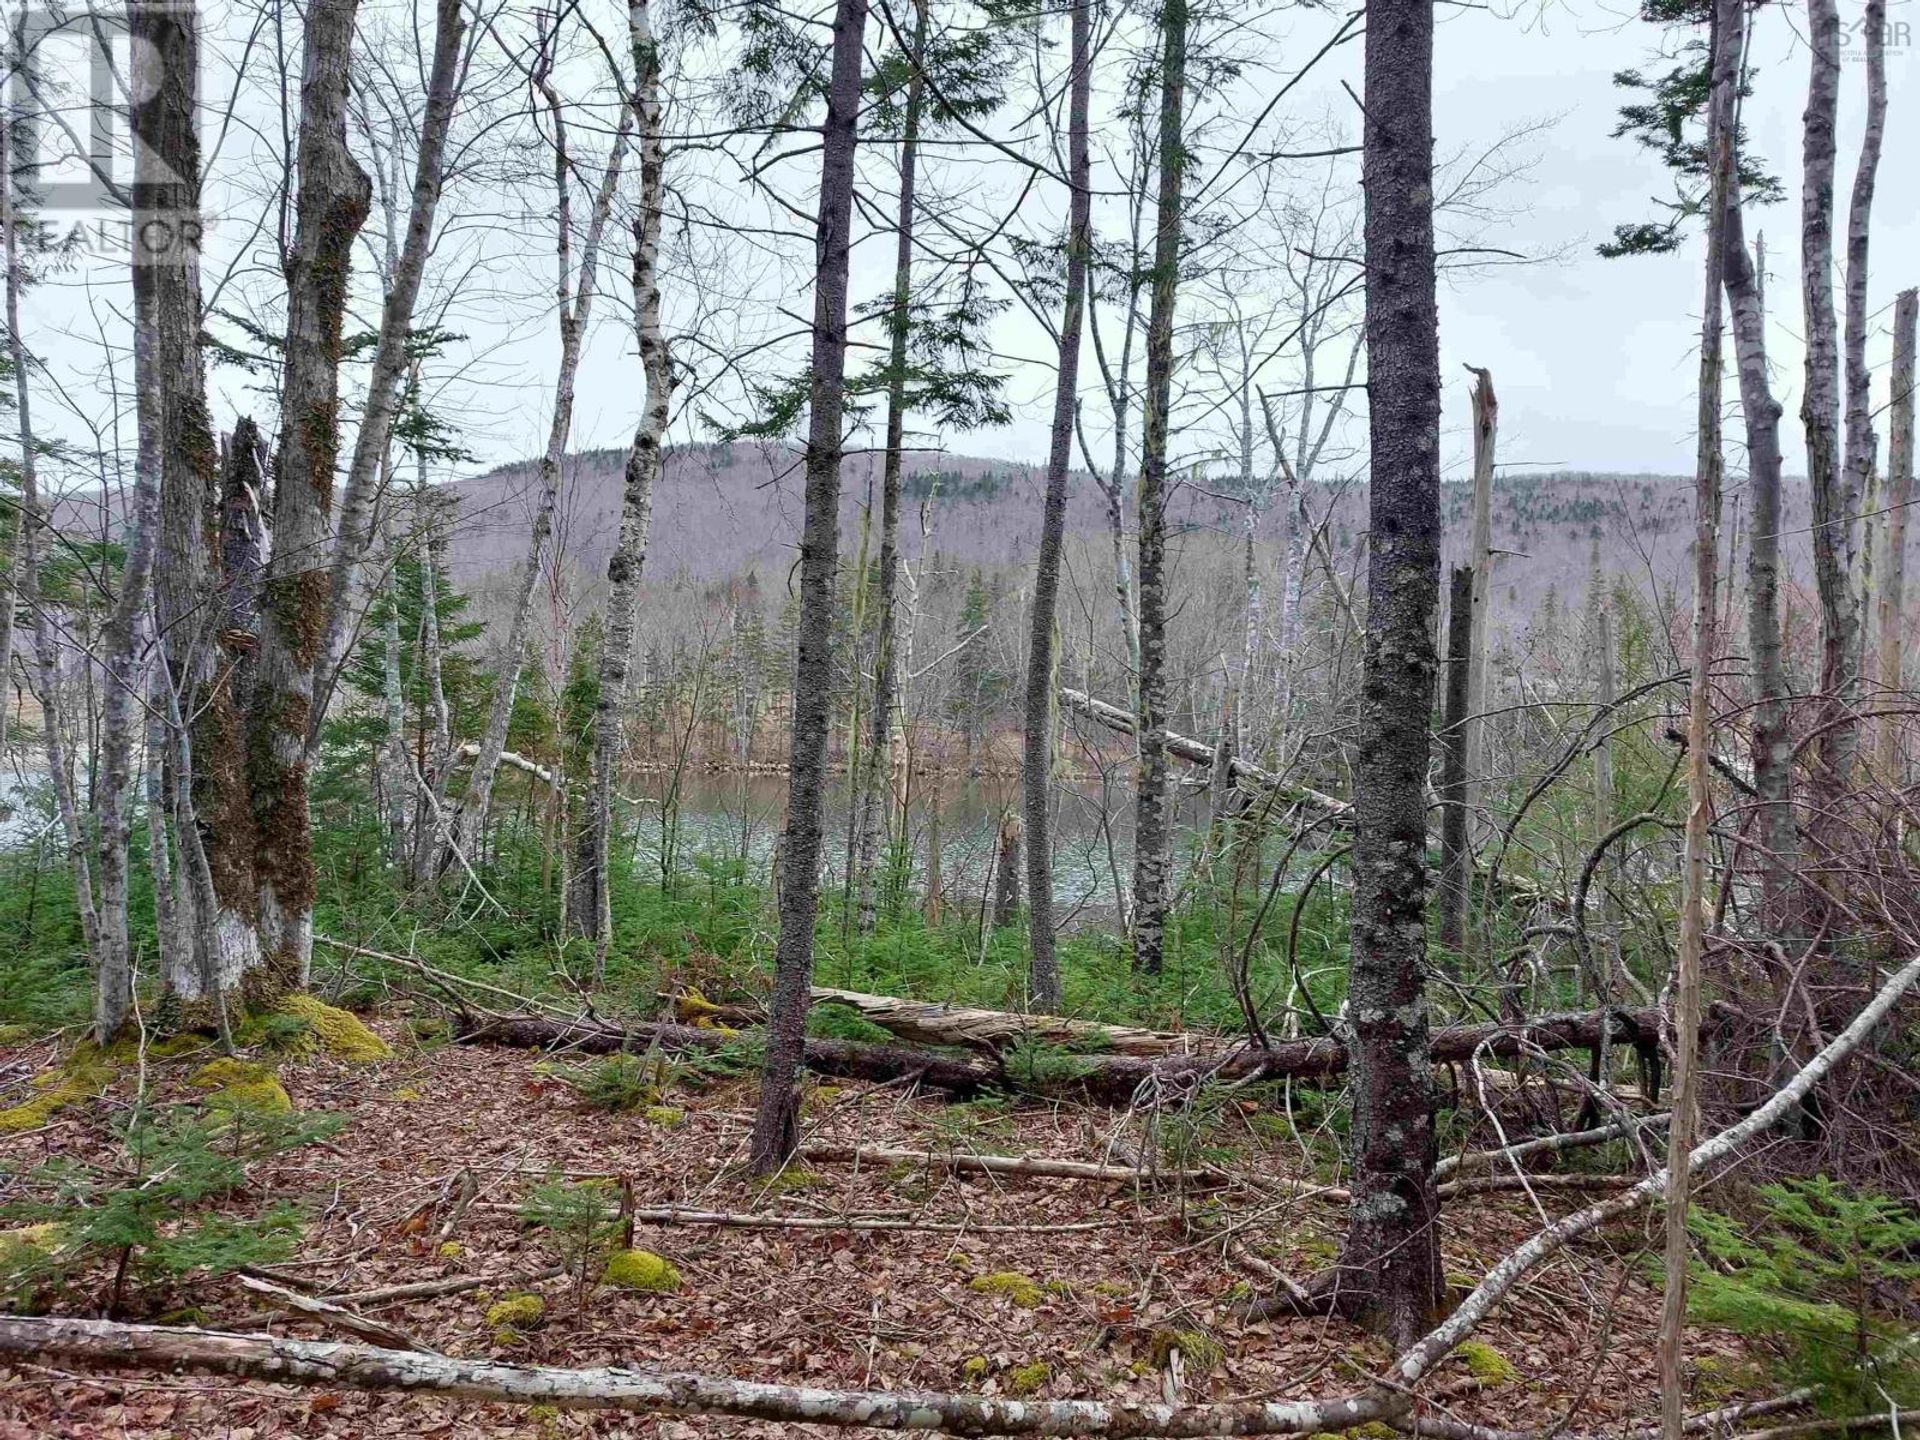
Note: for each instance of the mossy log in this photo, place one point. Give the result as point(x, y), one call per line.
point(1101, 1079)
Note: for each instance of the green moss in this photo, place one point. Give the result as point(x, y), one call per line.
point(1486, 1364)
point(1025, 1379)
point(28, 1242)
point(219, 1074)
point(522, 1311)
point(1202, 1352)
point(1022, 1290)
point(15, 1034)
point(641, 1270)
point(975, 1368)
point(795, 1178)
point(665, 1116)
point(339, 1032)
point(77, 1079)
point(452, 1250)
point(241, 1085)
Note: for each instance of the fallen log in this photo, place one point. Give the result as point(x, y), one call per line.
point(1102, 1079)
point(927, 1022)
point(1198, 752)
point(1029, 1165)
point(639, 1392)
point(669, 1215)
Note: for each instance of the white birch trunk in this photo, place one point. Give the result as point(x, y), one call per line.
point(1893, 565)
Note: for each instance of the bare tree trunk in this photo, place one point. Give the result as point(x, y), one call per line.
point(1006, 875)
point(1772, 742)
point(206, 637)
point(1861, 442)
point(1893, 567)
point(1456, 854)
point(592, 895)
point(33, 526)
point(1820, 400)
point(396, 766)
point(1486, 422)
point(333, 201)
point(1390, 1264)
point(873, 777)
point(1036, 771)
point(1608, 989)
point(390, 359)
point(777, 1123)
point(437, 753)
point(153, 215)
point(574, 302)
point(1725, 50)
point(1152, 826)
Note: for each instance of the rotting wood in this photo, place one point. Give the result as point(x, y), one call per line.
point(668, 1215)
point(1110, 1080)
point(1028, 1165)
point(933, 1023)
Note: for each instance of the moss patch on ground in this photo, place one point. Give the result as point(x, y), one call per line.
point(1025, 1379)
point(338, 1032)
point(241, 1085)
point(77, 1079)
point(1022, 1290)
point(1486, 1364)
point(641, 1270)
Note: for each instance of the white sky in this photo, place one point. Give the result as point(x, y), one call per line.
point(1594, 359)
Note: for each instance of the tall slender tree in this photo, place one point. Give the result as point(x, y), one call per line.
point(1036, 769)
point(886, 625)
point(1390, 1264)
point(1153, 821)
point(776, 1125)
point(1725, 49)
point(590, 902)
point(1891, 669)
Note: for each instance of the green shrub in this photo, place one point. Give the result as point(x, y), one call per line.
point(1808, 1285)
point(617, 1083)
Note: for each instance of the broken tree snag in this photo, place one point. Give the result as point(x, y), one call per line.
point(1102, 1079)
point(365, 1367)
point(933, 1023)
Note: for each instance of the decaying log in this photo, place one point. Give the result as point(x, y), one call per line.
point(365, 1367)
point(1101, 1079)
point(931, 1023)
point(1029, 1165)
point(667, 1215)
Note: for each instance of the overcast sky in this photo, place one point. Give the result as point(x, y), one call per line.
point(1593, 359)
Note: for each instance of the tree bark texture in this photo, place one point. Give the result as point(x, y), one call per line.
point(776, 1125)
point(1820, 400)
point(1771, 741)
point(1039, 722)
point(591, 901)
point(1456, 856)
point(1390, 1263)
point(1893, 567)
point(1153, 820)
point(332, 203)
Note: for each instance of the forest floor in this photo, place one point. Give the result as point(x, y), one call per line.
point(1091, 1311)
